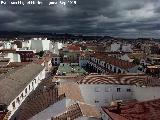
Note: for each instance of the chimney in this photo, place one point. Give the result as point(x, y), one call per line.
point(118, 107)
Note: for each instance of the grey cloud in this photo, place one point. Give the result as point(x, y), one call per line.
point(112, 17)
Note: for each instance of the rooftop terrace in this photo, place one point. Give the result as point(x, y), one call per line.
point(67, 69)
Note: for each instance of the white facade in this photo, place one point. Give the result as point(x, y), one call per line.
point(115, 47)
point(56, 47)
point(39, 44)
point(102, 94)
point(146, 93)
point(14, 105)
point(54, 110)
point(26, 49)
point(14, 57)
point(25, 44)
point(104, 67)
point(13, 46)
point(126, 58)
point(6, 45)
point(127, 48)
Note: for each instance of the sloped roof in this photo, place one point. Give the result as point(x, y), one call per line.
point(121, 79)
point(148, 110)
point(71, 91)
point(114, 61)
point(79, 110)
point(14, 83)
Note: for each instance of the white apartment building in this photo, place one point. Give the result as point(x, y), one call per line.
point(106, 64)
point(18, 84)
point(38, 44)
point(115, 47)
point(101, 90)
point(14, 57)
point(71, 105)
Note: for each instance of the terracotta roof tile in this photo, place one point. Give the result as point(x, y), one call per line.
point(114, 61)
point(148, 110)
point(79, 110)
point(121, 79)
point(74, 47)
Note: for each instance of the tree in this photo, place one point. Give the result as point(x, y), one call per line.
point(136, 61)
point(41, 53)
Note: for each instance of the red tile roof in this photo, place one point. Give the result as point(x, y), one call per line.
point(121, 79)
point(114, 61)
point(2, 115)
point(79, 110)
point(8, 50)
point(74, 47)
point(148, 110)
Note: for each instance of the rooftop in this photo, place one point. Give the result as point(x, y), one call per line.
point(74, 47)
point(70, 70)
point(114, 61)
point(4, 61)
point(121, 79)
point(148, 110)
point(71, 91)
point(12, 84)
point(77, 110)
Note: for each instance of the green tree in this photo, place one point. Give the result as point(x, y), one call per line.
point(136, 61)
point(41, 53)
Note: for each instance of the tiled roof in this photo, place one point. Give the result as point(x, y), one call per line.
point(70, 78)
point(17, 64)
point(4, 61)
point(2, 115)
point(38, 61)
point(43, 97)
point(74, 47)
point(78, 110)
point(12, 84)
point(121, 79)
point(71, 91)
point(8, 50)
point(148, 110)
point(114, 61)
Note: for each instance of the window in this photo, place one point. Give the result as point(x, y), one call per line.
point(128, 90)
point(106, 65)
point(119, 71)
point(13, 105)
point(35, 80)
point(107, 89)
point(32, 84)
point(110, 67)
point(26, 90)
point(118, 89)
point(29, 87)
point(55, 59)
point(22, 95)
point(18, 100)
point(96, 101)
point(114, 69)
point(97, 89)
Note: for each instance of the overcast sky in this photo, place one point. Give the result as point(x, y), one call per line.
point(128, 18)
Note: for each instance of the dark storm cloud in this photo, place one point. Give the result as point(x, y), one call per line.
point(113, 17)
